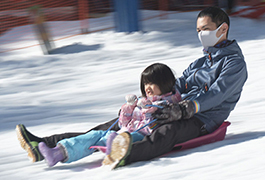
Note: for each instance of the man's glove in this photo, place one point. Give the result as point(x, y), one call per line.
point(174, 112)
point(187, 108)
point(171, 112)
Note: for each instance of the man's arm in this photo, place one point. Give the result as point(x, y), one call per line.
point(181, 81)
point(229, 82)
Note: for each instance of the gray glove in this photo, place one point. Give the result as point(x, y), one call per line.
point(187, 108)
point(174, 112)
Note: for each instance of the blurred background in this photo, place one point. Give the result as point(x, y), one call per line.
point(91, 16)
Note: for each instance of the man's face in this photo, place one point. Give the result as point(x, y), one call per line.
point(205, 24)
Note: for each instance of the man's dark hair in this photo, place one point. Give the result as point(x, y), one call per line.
point(217, 15)
point(159, 74)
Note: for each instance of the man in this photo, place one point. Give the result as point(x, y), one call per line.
point(210, 86)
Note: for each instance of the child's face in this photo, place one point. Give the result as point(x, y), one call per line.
point(152, 90)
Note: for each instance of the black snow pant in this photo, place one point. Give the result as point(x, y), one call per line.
point(161, 141)
point(164, 138)
point(52, 141)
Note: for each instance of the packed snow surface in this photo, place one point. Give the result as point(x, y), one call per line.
point(85, 81)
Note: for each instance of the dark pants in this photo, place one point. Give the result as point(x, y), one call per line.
point(52, 141)
point(161, 141)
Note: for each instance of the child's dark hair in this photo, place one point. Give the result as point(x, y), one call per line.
point(217, 15)
point(159, 74)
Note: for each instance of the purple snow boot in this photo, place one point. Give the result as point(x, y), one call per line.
point(52, 155)
point(107, 160)
point(109, 142)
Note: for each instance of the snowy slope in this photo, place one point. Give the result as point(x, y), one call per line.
point(84, 83)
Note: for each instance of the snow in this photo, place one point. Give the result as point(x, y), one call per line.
point(85, 82)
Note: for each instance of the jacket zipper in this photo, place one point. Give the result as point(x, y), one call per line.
point(210, 58)
point(205, 85)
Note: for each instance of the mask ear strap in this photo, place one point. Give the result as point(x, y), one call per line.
point(220, 26)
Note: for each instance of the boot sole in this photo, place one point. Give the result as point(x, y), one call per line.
point(120, 149)
point(24, 143)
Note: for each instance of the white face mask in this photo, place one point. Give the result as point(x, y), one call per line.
point(208, 38)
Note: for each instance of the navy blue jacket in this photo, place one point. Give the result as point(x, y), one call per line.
point(214, 83)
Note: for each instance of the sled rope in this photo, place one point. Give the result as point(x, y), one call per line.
point(109, 128)
point(145, 125)
point(153, 105)
point(106, 132)
point(149, 105)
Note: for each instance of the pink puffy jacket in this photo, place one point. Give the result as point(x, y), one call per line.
point(136, 113)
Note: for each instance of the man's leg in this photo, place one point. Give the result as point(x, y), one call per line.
point(51, 141)
point(30, 142)
point(162, 140)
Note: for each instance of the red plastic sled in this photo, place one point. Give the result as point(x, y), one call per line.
point(217, 135)
point(101, 148)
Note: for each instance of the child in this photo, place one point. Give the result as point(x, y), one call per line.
point(157, 85)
